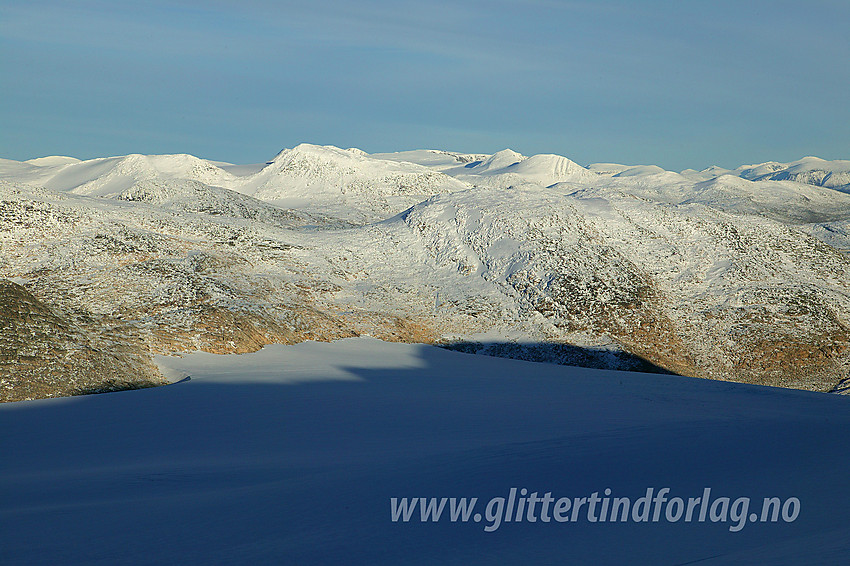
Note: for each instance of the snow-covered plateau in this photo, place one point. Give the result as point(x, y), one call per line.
point(731, 274)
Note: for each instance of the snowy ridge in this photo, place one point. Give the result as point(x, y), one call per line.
point(809, 170)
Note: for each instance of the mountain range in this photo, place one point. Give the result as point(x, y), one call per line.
point(733, 274)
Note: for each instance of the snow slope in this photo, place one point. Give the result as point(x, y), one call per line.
point(18, 170)
point(291, 455)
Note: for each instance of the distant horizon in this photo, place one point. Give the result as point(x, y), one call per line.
point(264, 160)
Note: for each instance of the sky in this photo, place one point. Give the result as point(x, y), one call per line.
point(681, 84)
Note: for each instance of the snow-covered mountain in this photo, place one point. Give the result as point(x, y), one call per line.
point(669, 283)
point(507, 167)
point(707, 274)
point(809, 170)
point(346, 183)
point(112, 175)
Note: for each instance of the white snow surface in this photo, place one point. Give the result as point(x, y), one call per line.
point(291, 455)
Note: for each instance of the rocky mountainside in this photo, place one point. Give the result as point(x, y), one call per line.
point(45, 352)
point(106, 262)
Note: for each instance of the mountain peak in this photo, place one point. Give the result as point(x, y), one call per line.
point(500, 160)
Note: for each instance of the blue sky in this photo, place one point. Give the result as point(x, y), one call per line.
point(677, 83)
